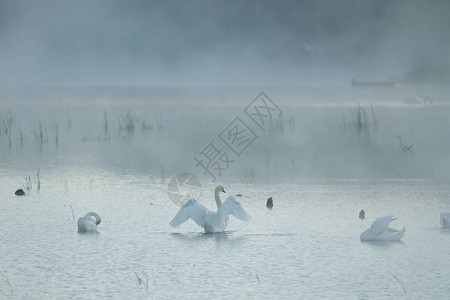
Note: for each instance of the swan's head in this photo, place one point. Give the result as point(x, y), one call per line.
point(96, 216)
point(220, 188)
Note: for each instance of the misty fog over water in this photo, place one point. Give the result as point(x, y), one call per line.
point(327, 132)
point(328, 107)
point(197, 43)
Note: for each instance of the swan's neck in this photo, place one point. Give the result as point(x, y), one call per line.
point(96, 217)
point(218, 202)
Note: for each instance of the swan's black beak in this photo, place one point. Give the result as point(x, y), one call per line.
point(223, 190)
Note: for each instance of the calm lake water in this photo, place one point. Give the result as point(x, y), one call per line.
point(320, 175)
point(307, 246)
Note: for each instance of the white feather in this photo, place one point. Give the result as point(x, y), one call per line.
point(232, 206)
point(380, 224)
point(191, 209)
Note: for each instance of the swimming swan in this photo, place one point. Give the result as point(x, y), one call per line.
point(89, 222)
point(212, 222)
point(445, 219)
point(379, 231)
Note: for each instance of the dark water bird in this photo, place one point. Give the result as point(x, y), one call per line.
point(269, 203)
point(445, 219)
point(362, 214)
point(20, 192)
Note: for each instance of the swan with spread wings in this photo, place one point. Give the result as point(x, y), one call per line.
point(212, 222)
point(380, 231)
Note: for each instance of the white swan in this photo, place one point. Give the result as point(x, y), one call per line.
point(380, 231)
point(212, 222)
point(89, 222)
point(445, 219)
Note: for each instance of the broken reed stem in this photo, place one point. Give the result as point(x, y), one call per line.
point(401, 284)
point(73, 215)
point(142, 282)
point(11, 291)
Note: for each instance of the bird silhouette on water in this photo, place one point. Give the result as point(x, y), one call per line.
point(362, 214)
point(19, 192)
point(269, 203)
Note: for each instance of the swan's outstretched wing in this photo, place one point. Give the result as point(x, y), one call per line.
point(191, 209)
point(445, 219)
point(380, 224)
point(233, 207)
